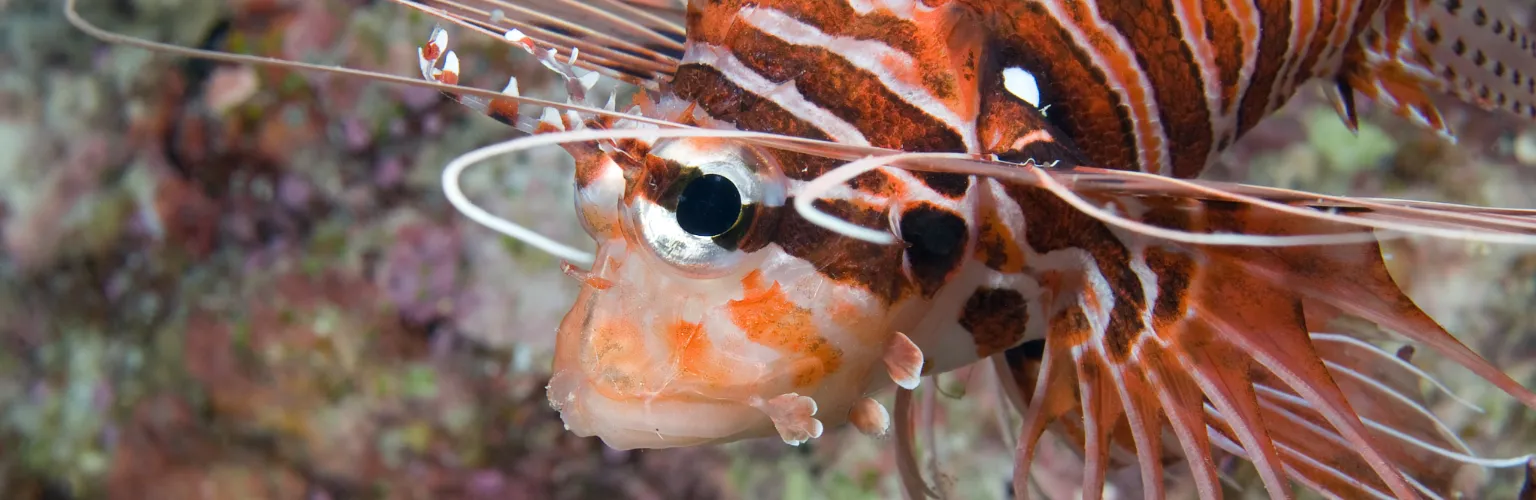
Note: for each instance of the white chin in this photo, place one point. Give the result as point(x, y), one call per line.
point(641, 424)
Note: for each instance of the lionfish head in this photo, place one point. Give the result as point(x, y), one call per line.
point(712, 312)
point(695, 324)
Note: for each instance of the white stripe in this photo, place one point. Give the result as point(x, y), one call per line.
point(902, 9)
point(1008, 212)
point(840, 192)
point(1250, 29)
point(1068, 260)
point(874, 57)
point(1136, 248)
point(1103, 300)
point(785, 95)
point(913, 191)
point(918, 191)
point(1147, 155)
point(1149, 292)
point(1210, 72)
point(1290, 65)
point(1347, 17)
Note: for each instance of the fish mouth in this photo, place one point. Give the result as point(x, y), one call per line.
point(649, 357)
point(635, 366)
point(650, 423)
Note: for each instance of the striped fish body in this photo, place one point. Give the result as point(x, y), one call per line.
point(716, 312)
point(897, 75)
point(1103, 329)
point(1162, 86)
point(1156, 86)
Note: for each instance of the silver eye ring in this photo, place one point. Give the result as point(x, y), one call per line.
point(718, 191)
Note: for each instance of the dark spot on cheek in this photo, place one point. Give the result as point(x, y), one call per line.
point(936, 240)
point(1174, 273)
point(1017, 356)
point(949, 185)
point(1024, 362)
point(995, 317)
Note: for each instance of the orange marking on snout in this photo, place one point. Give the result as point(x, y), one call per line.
point(753, 284)
point(693, 353)
point(769, 319)
point(617, 359)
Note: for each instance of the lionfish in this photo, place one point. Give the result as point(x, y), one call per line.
point(810, 201)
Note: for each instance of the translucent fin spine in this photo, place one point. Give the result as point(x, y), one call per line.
point(1485, 56)
point(1467, 48)
point(1241, 373)
point(635, 41)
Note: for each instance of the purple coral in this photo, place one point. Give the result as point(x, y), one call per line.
point(419, 273)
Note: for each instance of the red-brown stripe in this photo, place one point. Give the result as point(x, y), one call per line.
point(1222, 29)
point(725, 101)
point(1102, 39)
point(850, 93)
point(1154, 33)
point(847, 91)
point(1083, 103)
point(1273, 46)
point(1055, 225)
point(1304, 22)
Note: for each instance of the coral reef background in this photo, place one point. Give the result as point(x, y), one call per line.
point(220, 281)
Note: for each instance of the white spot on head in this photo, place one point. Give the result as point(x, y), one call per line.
point(1022, 84)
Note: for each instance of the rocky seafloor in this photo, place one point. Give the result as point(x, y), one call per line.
point(220, 281)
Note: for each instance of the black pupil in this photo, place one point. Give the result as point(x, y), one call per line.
point(709, 206)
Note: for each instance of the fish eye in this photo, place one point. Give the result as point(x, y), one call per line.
point(698, 209)
point(709, 206)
